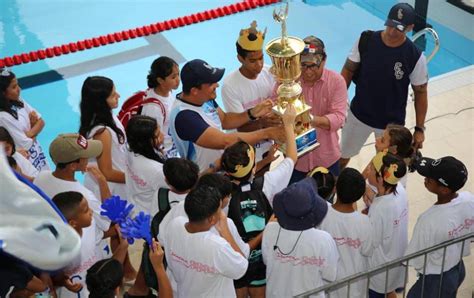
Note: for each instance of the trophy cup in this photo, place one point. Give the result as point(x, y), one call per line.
point(285, 54)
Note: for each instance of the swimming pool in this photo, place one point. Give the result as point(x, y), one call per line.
point(29, 25)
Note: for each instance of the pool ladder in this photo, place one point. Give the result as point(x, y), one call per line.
point(435, 36)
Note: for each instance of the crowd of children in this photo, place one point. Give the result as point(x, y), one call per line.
point(227, 226)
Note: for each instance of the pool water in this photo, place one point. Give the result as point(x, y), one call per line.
point(53, 86)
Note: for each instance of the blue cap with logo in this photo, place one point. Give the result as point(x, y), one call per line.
point(197, 72)
point(400, 16)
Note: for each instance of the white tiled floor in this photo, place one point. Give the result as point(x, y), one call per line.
point(450, 132)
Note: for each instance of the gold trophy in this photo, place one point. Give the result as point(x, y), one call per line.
point(285, 54)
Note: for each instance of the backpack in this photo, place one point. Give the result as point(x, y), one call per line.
point(248, 207)
point(134, 105)
point(164, 207)
point(363, 46)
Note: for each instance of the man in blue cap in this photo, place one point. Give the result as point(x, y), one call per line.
point(383, 64)
point(196, 120)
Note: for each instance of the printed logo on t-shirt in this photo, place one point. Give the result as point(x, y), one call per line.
point(211, 111)
point(193, 265)
point(300, 261)
point(398, 70)
point(354, 243)
point(462, 228)
point(404, 214)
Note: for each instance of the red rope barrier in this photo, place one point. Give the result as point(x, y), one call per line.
point(132, 33)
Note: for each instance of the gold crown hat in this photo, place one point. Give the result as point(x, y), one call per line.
point(251, 39)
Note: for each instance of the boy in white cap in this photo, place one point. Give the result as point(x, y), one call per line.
point(299, 257)
point(451, 216)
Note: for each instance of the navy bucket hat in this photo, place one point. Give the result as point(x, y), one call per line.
point(299, 207)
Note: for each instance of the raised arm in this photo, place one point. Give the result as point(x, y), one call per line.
point(216, 139)
point(236, 120)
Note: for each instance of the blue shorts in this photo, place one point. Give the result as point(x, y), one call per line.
point(452, 279)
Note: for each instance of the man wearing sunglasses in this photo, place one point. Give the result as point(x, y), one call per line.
point(325, 91)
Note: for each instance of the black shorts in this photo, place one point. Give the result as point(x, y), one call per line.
point(255, 274)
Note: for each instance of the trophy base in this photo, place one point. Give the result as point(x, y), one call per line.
point(300, 108)
point(305, 142)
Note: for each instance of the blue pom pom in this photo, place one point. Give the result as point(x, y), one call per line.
point(116, 209)
point(137, 228)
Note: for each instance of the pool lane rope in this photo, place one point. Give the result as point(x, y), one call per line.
point(133, 33)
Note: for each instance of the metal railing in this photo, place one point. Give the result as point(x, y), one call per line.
point(404, 261)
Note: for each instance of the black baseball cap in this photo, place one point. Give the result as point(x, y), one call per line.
point(447, 170)
point(400, 16)
point(197, 72)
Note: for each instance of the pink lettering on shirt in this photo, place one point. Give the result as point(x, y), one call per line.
point(466, 225)
point(354, 243)
point(404, 214)
point(300, 261)
point(82, 267)
point(139, 181)
point(193, 265)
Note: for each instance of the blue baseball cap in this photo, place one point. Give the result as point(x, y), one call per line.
point(400, 16)
point(197, 72)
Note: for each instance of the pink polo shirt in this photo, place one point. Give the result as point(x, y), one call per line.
point(327, 97)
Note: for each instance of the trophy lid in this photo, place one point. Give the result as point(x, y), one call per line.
point(294, 46)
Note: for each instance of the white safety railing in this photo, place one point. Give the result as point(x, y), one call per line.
point(404, 261)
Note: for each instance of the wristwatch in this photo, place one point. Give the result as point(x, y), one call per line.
point(420, 128)
point(251, 117)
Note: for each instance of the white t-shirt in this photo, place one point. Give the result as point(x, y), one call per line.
point(240, 94)
point(119, 157)
point(313, 260)
point(389, 219)
point(178, 211)
point(442, 223)
point(203, 264)
point(277, 179)
point(18, 128)
point(352, 233)
point(77, 270)
point(161, 112)
point(143, 178)
point(51, 186)
point(418, 76)
point(25, 165)
point(173, 199)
